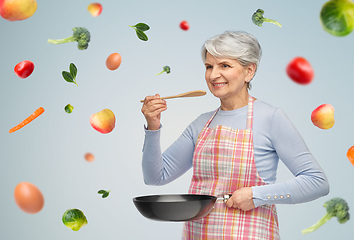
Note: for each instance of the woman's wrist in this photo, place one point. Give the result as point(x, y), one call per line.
point(152, 128)
point(147, 128)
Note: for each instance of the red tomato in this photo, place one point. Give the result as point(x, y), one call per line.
point(184, 25)
point(300, 71)
point(24, 69)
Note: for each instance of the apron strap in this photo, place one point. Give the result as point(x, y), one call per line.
point(250, 113)
point(212, 117)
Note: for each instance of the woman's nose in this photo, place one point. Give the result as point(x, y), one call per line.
point(214, 74)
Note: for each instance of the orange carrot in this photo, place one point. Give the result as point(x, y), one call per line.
point(33, 116)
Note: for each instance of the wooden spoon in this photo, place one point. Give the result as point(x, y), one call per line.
point(195, 93)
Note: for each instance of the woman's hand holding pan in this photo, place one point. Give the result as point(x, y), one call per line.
point(152, 108)
point(241, 199)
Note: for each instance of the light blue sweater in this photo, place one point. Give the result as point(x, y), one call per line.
point(274, 138)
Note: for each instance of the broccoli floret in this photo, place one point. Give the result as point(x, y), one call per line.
point(258, 19)
point(81, 35)
point(336, 207)
point(166, 69)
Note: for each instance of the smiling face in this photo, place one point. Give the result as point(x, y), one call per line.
point(227, 80)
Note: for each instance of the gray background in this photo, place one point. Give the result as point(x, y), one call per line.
point(49, 152)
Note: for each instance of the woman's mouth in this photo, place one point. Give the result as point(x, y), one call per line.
point(219, 85)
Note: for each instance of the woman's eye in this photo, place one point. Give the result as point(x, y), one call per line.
point(208, 67)
point(225, 66)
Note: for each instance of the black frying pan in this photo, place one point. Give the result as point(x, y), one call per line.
point(176, 207)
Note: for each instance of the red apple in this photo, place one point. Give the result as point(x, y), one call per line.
point(103, 121)
point(95, 9)
point(323, 116)
point(15, 10)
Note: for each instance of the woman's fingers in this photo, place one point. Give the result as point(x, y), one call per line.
point(241, 199)
point(152, 100)
point(152, 108)
point(230, 203)
point(149, 98)
point(154, 104)
point(154, 111)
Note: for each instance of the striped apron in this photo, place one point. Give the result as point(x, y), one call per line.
point(223, 162)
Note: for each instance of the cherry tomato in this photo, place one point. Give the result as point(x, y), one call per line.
point(184, 25)
point(113, 61)
point(300, 71)
point(350, 155)
point(24, 69)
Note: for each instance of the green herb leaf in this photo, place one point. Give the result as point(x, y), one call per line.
point(104, 192)
point(70, 76)
point(141, 35)
point(73, 70)
point(142, 27)
point(68, 108)
point(67, 76)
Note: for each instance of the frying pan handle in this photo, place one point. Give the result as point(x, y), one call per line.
point(224, 198)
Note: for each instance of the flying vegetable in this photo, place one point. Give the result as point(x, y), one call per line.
point(68, 108)
point(166, 69)
point(70, 76)
point(337, 17)
point(74, 219)
point(140, 28)
point(104, 193)
point(336, 207)
point(81, 35)
point(258, 19)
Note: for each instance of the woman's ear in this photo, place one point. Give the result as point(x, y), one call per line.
point(250, 71)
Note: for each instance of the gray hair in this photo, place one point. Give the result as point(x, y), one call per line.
point(237, 45)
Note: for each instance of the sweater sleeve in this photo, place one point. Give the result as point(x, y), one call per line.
point(309, 182)
point(161, 168)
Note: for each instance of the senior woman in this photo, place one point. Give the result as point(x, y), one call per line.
point(234, 149)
